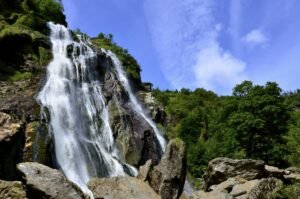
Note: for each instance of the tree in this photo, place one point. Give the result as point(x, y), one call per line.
point(260, 119)
point(51, 10)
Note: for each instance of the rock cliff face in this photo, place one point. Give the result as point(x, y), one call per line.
point(129, 128)
point(25, 51)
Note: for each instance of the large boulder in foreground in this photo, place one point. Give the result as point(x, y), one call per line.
point(221, 169)
point(44, 182)
point(12, 189)
point(121, 188)
point(168, 177)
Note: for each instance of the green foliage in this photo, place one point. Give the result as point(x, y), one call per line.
point(290, 191)
point(190, 115)
point(23, 30)
point(20, 76)
point(131, 66)
point(50, 10)
point(44, 56)
point(33, 14)
point(293, 140)
point(253, 123)
point(260, 119)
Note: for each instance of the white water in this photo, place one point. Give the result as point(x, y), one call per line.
point(135, 103)
point(78, 118)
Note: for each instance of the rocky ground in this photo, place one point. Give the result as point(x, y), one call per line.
point(224, 179)
point(164, 180)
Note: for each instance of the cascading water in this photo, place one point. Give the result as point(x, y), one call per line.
point(77, 117)
point(135, 103)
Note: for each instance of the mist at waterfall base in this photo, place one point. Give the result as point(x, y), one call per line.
point(78, 119)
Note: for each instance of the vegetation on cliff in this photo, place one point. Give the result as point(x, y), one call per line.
point(23, 36)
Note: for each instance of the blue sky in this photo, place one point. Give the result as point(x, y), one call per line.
point(213, 44)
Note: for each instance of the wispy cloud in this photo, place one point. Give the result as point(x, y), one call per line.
point(185, 35)
point(255, 37)
point(218, 70)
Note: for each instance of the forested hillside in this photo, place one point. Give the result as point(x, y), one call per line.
point(258, 122)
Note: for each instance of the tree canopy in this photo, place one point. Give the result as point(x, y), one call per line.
point(258, 122)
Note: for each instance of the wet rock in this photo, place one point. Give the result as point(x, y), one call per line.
point(221, 169)
point(168, 177)
point(38, 144)
point(30, 132)
point(159, 115)
point(134, 137)
point(151, 148)
point(12, 139)
point(12, 189)
point(44, 182)
point(123, 130)
point(121, 188)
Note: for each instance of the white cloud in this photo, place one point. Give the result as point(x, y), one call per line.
point(255, 37)
point(218, 70)
point(185, 36)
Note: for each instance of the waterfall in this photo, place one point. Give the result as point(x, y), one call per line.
point(77, 116)
point(136, 105)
